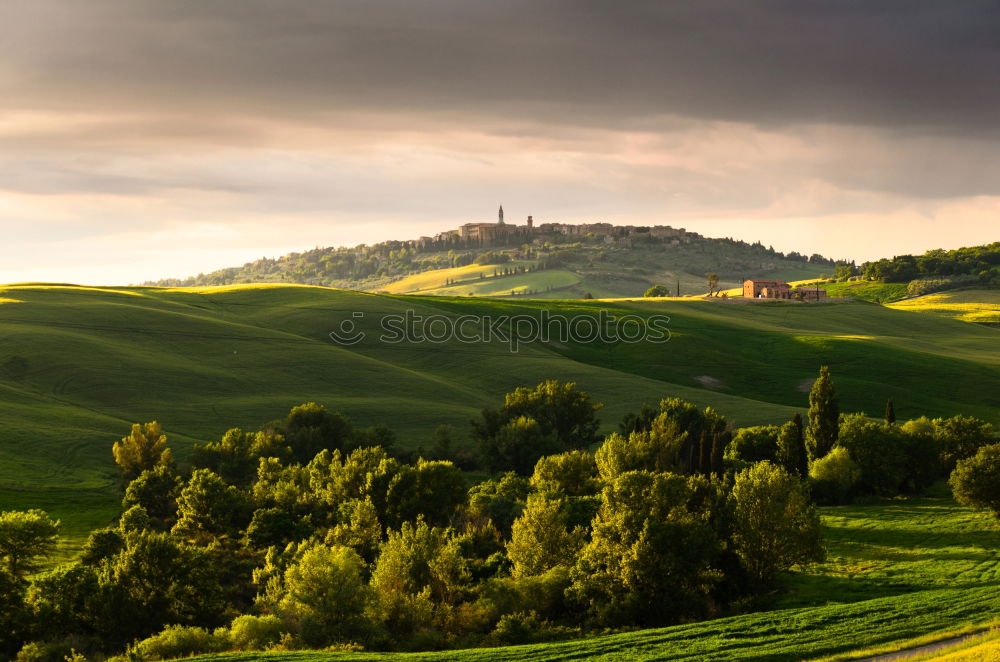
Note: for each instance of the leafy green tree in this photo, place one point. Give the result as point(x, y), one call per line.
point(650, 560)
point(517, 446)
point(975, 482)
point(323, 593)
point(331, 479)
point(156, 490)
point(15, 617)
point(66, 602)
point(376, 435)
point(156, 580)
point(560, 410)
point(753, 444)
point(144, 448)
point(834, 477)
point(236, 455)
point(792, 454)
point(696, 439)
point(429, 489)
point(619, 454)
point(890, 412)
point(775, 526)
point(101, 545)
point(540, 539)
point(208, 508)
point(443, 442)
point(276, 527)
point(358, 528)
point(961, 437)
point(310, 428)
point(26, 536)
point(680, 439)
point(657, 291)
point(134, 519)
point(414, 571)
point(499, 500)
point(572, 474)
point(891, 461)
point(713, 282)
point(824, 416)
point(641, 422)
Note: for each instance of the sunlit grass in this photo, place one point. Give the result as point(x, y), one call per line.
point(437, 279)
point(964, 305)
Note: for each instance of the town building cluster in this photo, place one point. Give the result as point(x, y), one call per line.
point(501, 233)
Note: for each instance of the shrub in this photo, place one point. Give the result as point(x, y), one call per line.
point(491, 257)
point(181, 641)
point(976, 480)
point(516, 628)
point(835, 477)
point(891, 461)
point(255, 633)
point(38, 651)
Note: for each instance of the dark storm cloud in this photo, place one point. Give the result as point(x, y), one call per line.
point(906, 63)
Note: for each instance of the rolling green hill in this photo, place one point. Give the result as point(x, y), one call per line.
point(575, 263)
point(78, 365)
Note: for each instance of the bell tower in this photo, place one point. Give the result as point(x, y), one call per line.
point(500, 221)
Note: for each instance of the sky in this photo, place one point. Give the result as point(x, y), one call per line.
point(142, 139)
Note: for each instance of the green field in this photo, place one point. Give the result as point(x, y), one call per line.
point(550, 282)
point(896, 570)
point(429, 281)
point(79, 365)
point(598, 280)
point(980, 306)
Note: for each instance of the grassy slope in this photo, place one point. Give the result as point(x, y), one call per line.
point(536, 281)
point(437, 278)
point(983, 648)
point(600, 281)
point(79, 365)
point(896, 570)
point(965, 305)
point(769, 352)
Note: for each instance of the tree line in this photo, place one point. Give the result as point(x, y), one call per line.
point(979, 262)
point(307, 534)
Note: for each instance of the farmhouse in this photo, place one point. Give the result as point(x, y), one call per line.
point(766, 289)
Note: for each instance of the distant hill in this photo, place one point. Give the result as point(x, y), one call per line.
point(552, 260)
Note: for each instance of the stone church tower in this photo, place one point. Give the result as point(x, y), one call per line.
point(500, 222)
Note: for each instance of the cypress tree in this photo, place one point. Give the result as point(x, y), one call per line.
point(791, 448)
point(719, 443)
point(824, 417)
point(801, 439)
point(890, 412)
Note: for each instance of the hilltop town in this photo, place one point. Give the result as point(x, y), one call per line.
point(487, 235)
point(532, 258)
